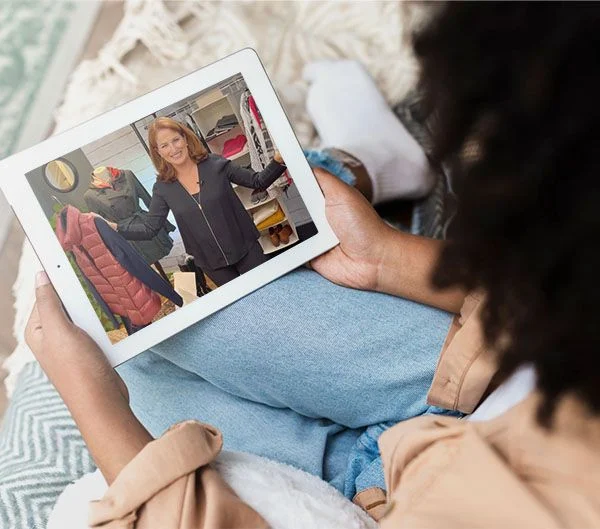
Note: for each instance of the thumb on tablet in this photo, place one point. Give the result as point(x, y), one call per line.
point(49, 307)
point(328, 183)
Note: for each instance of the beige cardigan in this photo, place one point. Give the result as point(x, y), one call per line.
point(440, 471)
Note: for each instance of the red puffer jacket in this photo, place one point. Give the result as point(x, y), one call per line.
point(123, 293)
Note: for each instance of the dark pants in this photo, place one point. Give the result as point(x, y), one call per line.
point(252, 259)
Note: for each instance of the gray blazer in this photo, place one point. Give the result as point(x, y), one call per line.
point(218, 232)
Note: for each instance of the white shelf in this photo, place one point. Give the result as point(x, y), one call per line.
point(268, 246)
point(244, 194)
point(215, 136)
point(214, 96)
point(243, 152)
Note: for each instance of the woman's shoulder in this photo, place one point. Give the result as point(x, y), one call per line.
point(214, 160)
point(161, 186)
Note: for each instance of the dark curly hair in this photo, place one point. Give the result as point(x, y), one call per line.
point(512, 90)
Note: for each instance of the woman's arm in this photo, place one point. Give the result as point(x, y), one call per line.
point(405, 269)
point(89, 386)
point(256, 179)
point(141, 229)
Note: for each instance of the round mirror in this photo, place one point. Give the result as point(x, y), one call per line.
point(61, 175)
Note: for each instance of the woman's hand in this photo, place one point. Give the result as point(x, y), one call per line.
point(277, 157)
point(63, 349)
point(113, 225)
point(95, 395)
point(363, 236)
point(373, 256)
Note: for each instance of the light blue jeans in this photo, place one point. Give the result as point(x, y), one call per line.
point(297, 371)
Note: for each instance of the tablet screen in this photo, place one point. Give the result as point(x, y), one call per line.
point(164, 211)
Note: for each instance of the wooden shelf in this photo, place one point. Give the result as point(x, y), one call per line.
point(268, 247)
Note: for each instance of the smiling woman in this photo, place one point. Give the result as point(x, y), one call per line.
point(196, 187)
point(95, 88)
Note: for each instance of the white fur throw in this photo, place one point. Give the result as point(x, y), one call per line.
point(287, 498)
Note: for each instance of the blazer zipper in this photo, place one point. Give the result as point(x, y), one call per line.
point(211, 231)
point(207, 223)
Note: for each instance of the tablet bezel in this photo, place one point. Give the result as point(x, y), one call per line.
point(22, 199)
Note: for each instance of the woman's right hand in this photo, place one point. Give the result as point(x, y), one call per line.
point(363, 236)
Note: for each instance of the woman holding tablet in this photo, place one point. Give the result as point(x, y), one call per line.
point(196, 187)
point(340, 366)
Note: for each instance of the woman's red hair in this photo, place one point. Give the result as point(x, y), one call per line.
point(197, 151)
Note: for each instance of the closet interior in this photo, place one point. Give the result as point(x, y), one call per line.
point(217, 118)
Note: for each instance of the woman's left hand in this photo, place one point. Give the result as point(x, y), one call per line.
point(70, 358)
point(277, 157)
point(95, 395)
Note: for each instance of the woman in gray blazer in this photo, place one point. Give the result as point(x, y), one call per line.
point(196, 186)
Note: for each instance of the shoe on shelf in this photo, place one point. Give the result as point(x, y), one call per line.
point(285, 233)
point(274, 237)
point(258, 196)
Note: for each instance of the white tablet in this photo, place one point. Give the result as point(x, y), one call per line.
point(140, 243)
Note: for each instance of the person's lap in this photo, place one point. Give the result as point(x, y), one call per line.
point(294, 371)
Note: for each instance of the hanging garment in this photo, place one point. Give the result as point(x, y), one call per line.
point(189, 121)
point(259, 144)
point(259, 155)
point(260, 124)
point(101, 303)
point(119, 274)
point(119, 201)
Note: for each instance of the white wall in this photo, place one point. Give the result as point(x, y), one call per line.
point(122, 149)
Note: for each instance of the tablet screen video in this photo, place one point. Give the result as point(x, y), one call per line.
point(160, 213)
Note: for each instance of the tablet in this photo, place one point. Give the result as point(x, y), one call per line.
point(168, 208)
